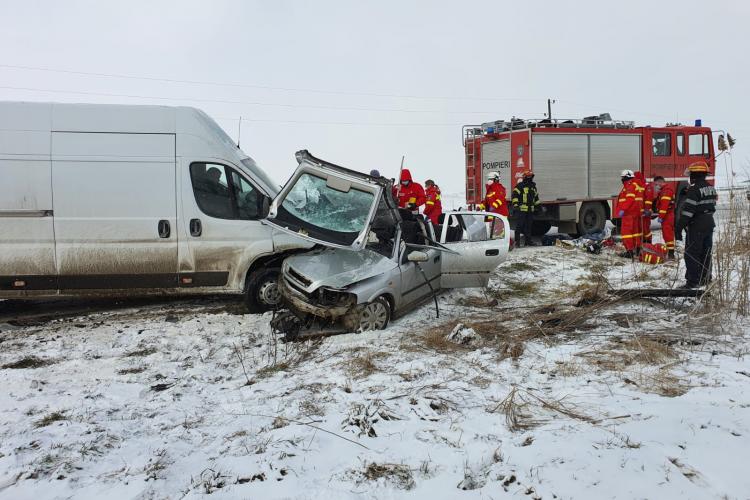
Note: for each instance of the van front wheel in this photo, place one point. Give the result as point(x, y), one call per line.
point(262, 291)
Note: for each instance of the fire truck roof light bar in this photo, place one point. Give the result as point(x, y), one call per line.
point(600, 121)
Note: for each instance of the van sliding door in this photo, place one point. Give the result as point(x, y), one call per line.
point(115, 210)
point(27, 242)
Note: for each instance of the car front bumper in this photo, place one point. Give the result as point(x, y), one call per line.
point(301, 302)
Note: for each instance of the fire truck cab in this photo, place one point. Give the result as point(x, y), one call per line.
point(577, 163)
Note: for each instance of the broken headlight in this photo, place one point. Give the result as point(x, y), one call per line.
point(331, 297)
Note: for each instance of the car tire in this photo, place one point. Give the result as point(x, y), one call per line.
point(592, 218)
point(374, 315)
point(262, 292)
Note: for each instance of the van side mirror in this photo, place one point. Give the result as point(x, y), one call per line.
point(264, 204)
point(417, 256)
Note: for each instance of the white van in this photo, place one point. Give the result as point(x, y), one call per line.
point(132, 199)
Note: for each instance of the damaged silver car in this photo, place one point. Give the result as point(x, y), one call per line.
point(372, 261)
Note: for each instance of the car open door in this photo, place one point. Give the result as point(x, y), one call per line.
point(481, 240)
point(327, 204)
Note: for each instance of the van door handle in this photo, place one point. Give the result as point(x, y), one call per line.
point(164, 229)
point(492, 252)
point(196, 228)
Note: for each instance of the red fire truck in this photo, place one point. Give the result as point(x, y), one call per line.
point(577, 163)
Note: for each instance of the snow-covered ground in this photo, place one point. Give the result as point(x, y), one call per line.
point(549, 398)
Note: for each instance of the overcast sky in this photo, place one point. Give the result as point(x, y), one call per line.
point(362, 83)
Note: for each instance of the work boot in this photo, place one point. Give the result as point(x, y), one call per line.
point(626, 255)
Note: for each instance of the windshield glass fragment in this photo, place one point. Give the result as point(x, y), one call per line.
point(324, 211)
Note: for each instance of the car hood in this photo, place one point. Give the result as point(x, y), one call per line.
point(335, 267)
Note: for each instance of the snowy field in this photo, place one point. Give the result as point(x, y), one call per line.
point(559, 391)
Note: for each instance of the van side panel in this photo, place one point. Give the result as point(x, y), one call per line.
point(113, 192)
point(27, 244)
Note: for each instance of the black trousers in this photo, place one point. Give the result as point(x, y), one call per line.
point(698, 246)
point(524, 222)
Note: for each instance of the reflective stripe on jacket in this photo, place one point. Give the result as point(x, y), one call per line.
point(525, 196)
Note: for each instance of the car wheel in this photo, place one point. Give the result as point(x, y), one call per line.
point(262, 291)
point(374, 315)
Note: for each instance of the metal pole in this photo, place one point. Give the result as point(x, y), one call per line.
point(549, 109)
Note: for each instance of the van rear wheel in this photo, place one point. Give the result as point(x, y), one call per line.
point(262, 292)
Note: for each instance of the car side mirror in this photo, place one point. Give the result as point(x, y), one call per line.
point(417, 256)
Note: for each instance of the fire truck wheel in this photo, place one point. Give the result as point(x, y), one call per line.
point(540, 227)
point(591, 218)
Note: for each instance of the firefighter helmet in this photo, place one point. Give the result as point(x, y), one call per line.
point(493, 176)
point(627, 174)
point(700, 167)
point(527, 174)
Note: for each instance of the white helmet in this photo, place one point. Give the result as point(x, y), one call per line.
point(493, 176)
point(627, 173)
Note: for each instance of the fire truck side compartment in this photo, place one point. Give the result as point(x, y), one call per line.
point(609, 155)
point(560, 162)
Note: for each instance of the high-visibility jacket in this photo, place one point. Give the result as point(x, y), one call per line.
point(525, 196)
point(648, 197)
point(495, 200)
point(433, 207)
point(630, 199)
point(665, 201)
point(412, 194)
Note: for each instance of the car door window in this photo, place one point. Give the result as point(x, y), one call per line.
point(211, 190)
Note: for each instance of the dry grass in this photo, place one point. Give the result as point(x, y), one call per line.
point(568, 368)
point(517, 267)
point(730, 289)
point(515, 288)
point(146, 351)
point(131, 371)
point(524, 410)
point(663, 383)
point(28, 362)
point(399, 475)
point(51, 418)
point(364, 364)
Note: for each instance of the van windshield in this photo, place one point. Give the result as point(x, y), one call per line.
point(261, 174)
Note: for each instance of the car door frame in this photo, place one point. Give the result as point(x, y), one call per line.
point(469, 268)
point(422, 290)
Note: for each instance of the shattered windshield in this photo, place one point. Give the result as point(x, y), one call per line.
point(326, 210)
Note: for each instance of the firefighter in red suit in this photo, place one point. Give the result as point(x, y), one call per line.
point(495, 200)
point(630, 211)
point(648, 210)
point(665, 203)
point(410, 194)
point(640, 184)
point(433, 207)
